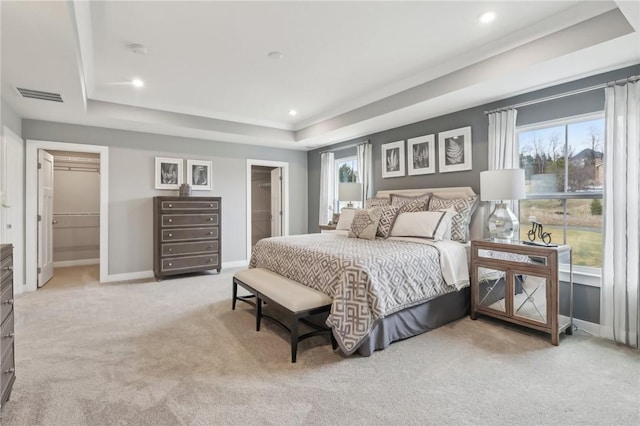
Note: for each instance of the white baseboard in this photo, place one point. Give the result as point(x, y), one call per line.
point(590, 327)
point(236, 264)
point(79, 262)
point(140, 275)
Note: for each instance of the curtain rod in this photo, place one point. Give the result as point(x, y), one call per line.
point(565, 94)
point(344, 147)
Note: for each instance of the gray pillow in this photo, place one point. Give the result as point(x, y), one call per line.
point(365, 224)
point(399, 199)
point(415, 205)
point(388, 216)
point(464, 208)
point(378, 202)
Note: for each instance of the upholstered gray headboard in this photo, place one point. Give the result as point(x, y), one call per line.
point(477, 227)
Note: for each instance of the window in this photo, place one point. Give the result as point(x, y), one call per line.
point(346, 171)
point(564, 176)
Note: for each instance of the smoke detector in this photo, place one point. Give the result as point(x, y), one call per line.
point(138, 49)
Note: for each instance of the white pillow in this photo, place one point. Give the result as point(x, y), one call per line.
point(434, 225)
point(346, 218)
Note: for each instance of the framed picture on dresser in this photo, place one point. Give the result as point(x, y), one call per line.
point(168, 173)
point(199, 174)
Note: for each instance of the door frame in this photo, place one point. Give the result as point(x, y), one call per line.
point(31, 205)
point(285, 196)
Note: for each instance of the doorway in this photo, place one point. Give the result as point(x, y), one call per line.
point(267, 201)
point(39, 222)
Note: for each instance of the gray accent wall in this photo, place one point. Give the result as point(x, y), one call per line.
point(131, 185)
point(588, 102)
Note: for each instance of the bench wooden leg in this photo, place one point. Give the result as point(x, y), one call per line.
point(235, 296)
point(258, 312)
point(294, 338)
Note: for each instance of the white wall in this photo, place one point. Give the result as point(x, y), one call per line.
point(131, 185)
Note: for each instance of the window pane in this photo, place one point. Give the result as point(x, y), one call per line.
point(585, 145)
point(584, 231)
point(542, 153)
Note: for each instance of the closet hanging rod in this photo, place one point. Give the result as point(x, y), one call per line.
point(565, 94)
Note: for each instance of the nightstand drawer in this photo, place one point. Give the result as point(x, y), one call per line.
point(7, 371)
point(189, 248)
point(169, 220)
point(6, 270)
point(189, 205)
point(169, 235)
point(7, 334)
point(6, 302)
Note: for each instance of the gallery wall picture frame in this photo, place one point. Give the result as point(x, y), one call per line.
point(199, 174)
point(168, 173)
point(454, 150)
point(393, 159)
point(422, 155)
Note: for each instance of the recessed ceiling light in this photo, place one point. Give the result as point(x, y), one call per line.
point(487, 17)
point(292, 112)
point(137, 82)
point(276, 55)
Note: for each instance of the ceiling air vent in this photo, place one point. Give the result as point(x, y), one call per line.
point(37, 94)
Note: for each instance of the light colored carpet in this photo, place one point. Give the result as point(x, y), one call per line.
point(170, 353)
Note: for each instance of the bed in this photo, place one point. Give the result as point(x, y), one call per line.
point(383, 290)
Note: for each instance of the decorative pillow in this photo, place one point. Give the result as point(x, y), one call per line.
point(432, 225)
point(416, 205)
point(398, 199)
point(346, 217)
point(365, 224)
point(464, 208)
point(378, 202)
point(388, 216)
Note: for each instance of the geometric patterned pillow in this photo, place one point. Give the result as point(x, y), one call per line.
point(365, 224)
point(378, 202)
point(464, 208)
point(415, 205)
point(398, 199)
point(388, 216)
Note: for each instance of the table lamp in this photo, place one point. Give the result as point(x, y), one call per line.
point(350, 191)
point(501, 186)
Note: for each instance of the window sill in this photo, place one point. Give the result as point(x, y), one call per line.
point(582, 275)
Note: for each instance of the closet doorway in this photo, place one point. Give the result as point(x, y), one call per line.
point(66, 209)
point(267, 201)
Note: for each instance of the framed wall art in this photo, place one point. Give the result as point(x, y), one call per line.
point(393, 159)
point(454, 150)
point(168, 173)
point(199, 174)
point(422, 155)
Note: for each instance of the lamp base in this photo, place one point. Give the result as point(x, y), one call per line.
point(503, 224)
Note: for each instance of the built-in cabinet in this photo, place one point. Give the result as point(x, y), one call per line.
point(186, 235)
point(7, 334)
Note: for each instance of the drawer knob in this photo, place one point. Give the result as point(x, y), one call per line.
point(210, 232)
point(9, 302)
point(210, 219)
point(170, 220)
point(9, 371)
point(170, 264)
point(210, 205)
point(170, 250)
point(9, 336)
point(171, 235)
point(8, 268)
point(170, 205)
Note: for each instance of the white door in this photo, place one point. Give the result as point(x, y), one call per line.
point(45, 217)
point(276, 202)
point(13, 204)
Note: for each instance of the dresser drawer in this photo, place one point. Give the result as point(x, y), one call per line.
point(169, 235)
point(6, 335)
point(6, 270)
point(202, 219)
point(189, 248)
point(6, 302)
point(7, 371)
point(167, 206)
point(189, 262)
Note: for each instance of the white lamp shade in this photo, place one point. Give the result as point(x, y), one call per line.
point(350, 191)
point(499, 185)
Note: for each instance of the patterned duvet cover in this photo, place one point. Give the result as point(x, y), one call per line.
point(367, 279)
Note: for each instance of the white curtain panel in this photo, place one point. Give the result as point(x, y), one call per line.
point(365, 167)
point(327, 187)
point(503, 146)
point(619, 318)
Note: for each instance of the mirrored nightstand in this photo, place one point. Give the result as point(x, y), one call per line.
point(519, 283)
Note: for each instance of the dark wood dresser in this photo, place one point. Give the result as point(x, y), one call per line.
point(7, 363)
point(186, 235)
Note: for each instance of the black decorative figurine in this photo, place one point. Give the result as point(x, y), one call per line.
point(536, 228)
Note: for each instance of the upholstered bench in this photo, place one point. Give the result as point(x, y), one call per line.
point(297, 300)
